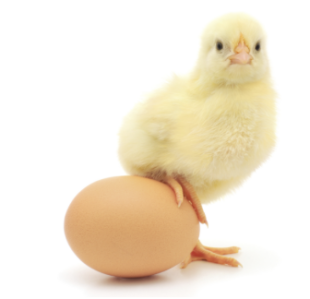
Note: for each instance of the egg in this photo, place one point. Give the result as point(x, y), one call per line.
point(130, 226)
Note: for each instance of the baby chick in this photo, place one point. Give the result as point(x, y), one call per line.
point(203, 134)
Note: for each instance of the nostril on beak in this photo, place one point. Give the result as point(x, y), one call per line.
point(242, 48)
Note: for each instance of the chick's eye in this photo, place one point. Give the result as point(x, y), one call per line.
point(219, 46)
point(257, 47)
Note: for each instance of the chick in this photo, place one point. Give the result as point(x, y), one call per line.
point(203, 134)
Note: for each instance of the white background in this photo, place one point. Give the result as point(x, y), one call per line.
point(70, 71)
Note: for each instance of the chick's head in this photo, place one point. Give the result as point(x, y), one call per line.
point(233, 51)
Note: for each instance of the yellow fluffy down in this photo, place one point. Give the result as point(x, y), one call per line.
point(215, 126)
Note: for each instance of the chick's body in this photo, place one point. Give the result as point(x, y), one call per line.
point(213, 127)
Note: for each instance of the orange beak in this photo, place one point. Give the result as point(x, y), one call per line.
point(242, 55)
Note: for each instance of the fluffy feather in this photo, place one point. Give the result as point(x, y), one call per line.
point(215, 126)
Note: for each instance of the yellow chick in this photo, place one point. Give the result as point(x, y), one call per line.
point(203, 134)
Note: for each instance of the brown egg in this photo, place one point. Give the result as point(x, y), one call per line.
point(130, 226)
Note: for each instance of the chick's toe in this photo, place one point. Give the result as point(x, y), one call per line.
point(212, 255)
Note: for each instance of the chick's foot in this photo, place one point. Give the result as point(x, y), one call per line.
point(181, 188)
point(212, 255)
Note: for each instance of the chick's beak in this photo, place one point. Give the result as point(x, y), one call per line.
point(242, 55)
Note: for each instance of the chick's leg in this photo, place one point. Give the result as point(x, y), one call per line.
point(213, 255)
point(181, 187)
point(191, 195)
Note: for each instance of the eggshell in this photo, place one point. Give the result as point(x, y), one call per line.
point(130, 226)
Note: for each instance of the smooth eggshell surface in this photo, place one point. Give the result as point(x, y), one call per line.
point(130, 226)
